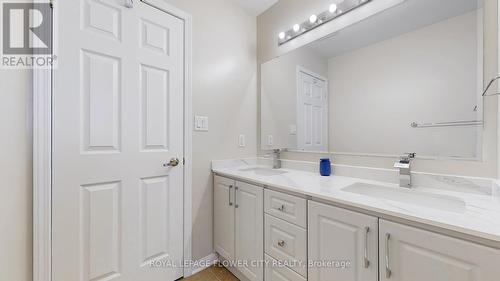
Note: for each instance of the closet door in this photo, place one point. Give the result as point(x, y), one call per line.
point(249, 205)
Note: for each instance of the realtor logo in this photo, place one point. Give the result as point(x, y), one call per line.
point(27, 35)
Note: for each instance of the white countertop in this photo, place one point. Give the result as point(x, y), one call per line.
point(479, 218)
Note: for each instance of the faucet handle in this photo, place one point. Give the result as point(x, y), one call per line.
point(407, 157)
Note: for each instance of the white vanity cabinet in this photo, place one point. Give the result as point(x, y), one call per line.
point(337, 237)
point(301, 239)
point(239, 225)
point(412, 254)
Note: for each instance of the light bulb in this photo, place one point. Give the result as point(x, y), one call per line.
point(313, 18)
point(281, 35)
point(333, 8)
point(296, 28)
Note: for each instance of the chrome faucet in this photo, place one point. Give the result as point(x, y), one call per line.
point(404, 166)
point(276, 159)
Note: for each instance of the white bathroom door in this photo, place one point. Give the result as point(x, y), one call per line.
point(312, 112)
point(117, 118)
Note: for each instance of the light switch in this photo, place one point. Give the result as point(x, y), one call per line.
point(293, 130)
point(241, 141)
point(201, 123)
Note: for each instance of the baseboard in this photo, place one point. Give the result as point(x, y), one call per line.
point(203, 263)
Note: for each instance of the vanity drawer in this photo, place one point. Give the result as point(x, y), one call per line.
point(287, 243)
point(276, 272)
point(290, 208)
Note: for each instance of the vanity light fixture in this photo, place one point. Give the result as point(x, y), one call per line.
point(333, 8)
point(313, 19)
point(334, 11)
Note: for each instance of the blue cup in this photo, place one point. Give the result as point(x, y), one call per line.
point(325, 167)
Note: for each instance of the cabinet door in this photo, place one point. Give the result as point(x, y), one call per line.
point(412, 254)
point(249, 204)
point(224, 189)
point(343, 245)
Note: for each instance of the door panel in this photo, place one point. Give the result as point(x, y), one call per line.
point(416, 255)
point(154, 228)
point(101, 76)
point(155, 93)
point(100, 205)
point(312, 112)
point(224, 192)
point(249, 205)
point(340, 235)
point(117, 118)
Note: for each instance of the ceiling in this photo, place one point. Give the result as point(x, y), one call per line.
point(256, 7)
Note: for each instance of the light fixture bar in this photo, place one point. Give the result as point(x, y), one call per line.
point(333, 12)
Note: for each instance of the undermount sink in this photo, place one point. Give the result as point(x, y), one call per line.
point(263, 171)
point(409, 196)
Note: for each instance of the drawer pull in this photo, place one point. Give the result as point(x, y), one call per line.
point(366, 261)
point(388, 271)
point(281, 208)
point(230, 203)
point(281, 243)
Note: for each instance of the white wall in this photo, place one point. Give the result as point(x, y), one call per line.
point(16, 176)
point(282, 15)
point(224, 89)
point(279, 95)
point(382, 88)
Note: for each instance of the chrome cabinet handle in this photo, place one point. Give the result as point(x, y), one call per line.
point(174, 162)
point(236, 197)
point(281, 208)
point(366, 261)
point(281, 243)
point(388, 271)
point(230, 203)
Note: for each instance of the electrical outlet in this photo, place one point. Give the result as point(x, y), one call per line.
point(270, 140)
point(241, 141)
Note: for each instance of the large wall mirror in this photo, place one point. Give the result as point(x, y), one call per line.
point(408, 79)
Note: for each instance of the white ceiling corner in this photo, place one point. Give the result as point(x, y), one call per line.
point(256, 7)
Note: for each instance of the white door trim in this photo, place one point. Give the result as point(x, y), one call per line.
point(42, 154)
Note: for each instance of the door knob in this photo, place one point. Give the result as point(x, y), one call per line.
point(172, 163)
